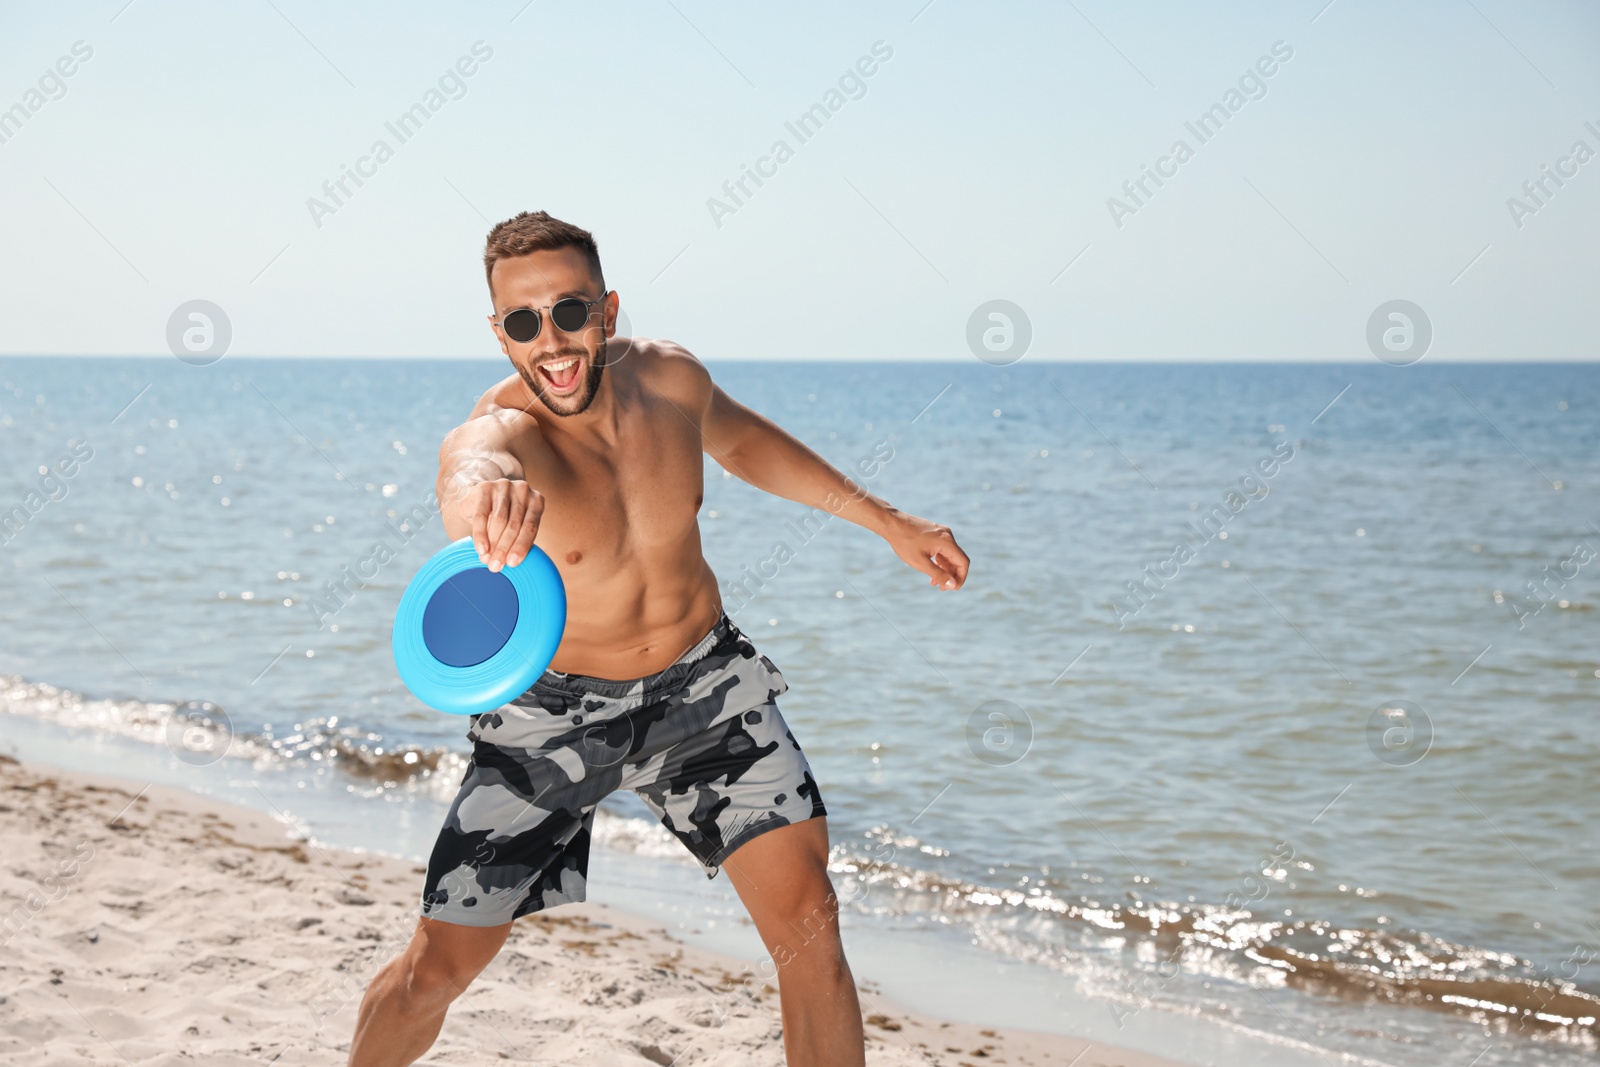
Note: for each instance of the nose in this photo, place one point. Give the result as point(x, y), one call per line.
point(550, 343)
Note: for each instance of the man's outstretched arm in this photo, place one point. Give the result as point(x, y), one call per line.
point(759, 451)
point(482, 486)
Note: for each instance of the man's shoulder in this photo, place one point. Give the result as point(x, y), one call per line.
point(667, 368)
point(505, 412)
point(509, 396)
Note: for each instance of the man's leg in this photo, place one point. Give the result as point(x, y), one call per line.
point(404, 1006)
point(782, 877)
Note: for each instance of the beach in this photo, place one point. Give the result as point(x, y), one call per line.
point(149, 925)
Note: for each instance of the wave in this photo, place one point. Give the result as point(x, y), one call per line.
point(1049, 924)
point(199, 732)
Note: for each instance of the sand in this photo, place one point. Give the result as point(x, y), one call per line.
point(142, 924)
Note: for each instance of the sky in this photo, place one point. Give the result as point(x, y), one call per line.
point(958, 154)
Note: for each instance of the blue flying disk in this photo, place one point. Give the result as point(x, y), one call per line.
point(468, 639)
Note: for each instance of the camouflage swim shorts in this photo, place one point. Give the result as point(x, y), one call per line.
point(701, 743)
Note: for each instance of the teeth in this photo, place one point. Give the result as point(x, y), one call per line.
point(563, 365)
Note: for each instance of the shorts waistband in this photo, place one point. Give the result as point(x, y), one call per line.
point(669, 678)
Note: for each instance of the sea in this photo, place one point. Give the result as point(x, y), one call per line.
point(1263, 731)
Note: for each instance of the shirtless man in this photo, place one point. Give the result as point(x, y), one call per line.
point(595, 445)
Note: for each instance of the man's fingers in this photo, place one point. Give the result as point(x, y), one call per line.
point(956, 573)
point(504, 515)
point(498, 512)
point(927, 566)
point(950, 561)
point(503, 542)
point(955, 561)
point(525, 536)
point(513, 524)
point(478, 513)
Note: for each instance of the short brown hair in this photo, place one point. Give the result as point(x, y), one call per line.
point(537, 231)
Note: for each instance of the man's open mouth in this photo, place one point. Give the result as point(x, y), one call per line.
point(562, 374)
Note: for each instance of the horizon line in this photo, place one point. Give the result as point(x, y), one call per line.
point(941, 360)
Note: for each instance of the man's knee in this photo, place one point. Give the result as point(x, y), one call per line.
point(811, 946)
point(429, 983)
point(783, 878)
point(442, 960)
point(804, 920)
point(815, 915)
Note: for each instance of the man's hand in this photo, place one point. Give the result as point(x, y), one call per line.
point(504, 514)
point(931, 549)
point(482, 484)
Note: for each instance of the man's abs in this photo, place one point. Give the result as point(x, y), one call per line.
point(636, 619)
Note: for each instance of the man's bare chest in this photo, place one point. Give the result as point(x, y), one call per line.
point(640, 492)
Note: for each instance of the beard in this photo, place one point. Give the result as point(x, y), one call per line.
point(577, 403)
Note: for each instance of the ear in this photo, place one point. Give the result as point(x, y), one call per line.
point(613, 305)
point(499, 335)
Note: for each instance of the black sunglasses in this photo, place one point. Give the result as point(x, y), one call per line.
point(569, 314)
